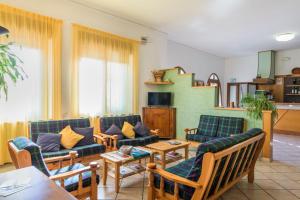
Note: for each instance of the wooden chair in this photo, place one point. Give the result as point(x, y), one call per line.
point(220, 171)
point(81, 181)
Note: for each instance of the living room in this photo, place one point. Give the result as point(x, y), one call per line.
point(126, 83)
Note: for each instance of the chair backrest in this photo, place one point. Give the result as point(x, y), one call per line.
point(106, 122)
point(55, 126)
point(24, 153)
point(222, 162)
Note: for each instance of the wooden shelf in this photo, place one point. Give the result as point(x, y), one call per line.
point(159, 83)
point(293, 94)
point(292, 86)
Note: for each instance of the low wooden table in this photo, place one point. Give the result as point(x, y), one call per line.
point(118, 163)
point(41, 186)
point(164, 147)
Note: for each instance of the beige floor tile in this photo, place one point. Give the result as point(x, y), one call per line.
point(257, 195)
point(275, 176)
point(295, 176)
point(268, 184)
point(130, 194)
point(245, 185)
point(281, 194)
point(106, 193)
point(233, 194)
point(289, 184)
point(133, 181)
point(296, 192)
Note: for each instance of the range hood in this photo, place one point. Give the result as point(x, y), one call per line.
point(266, 67)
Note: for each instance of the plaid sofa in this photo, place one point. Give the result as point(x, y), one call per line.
point(71, 183)
point(106, 122)
point(213, 127)
point(191, 168)
point(55, 126)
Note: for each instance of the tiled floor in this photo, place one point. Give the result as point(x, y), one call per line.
point(279, 180)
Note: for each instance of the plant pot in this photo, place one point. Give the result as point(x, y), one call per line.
point(158, 75)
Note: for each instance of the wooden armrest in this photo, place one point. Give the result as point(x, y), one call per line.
point(92, 167)
point(112, 138)
point(72, 155)
point(190, 130)
point(103, 139)
point(155, 131)
point(108, 136)
point(151, 167)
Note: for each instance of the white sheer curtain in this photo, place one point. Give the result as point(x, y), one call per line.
point(25, 97)
point(104, 88)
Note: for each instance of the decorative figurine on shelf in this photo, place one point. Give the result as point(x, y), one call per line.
point(158, 75)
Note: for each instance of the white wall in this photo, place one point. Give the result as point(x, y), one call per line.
point(159, 52)
point(194, 61)
point(286, 60)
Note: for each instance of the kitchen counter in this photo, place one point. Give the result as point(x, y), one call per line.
point(288, 118)
point(288, 106)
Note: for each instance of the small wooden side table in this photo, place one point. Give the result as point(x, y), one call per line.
point(117, 162)
point(164, 147)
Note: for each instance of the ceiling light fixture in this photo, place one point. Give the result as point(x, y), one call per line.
point(285, 37)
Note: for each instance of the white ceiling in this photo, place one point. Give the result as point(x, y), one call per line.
point(225, 28)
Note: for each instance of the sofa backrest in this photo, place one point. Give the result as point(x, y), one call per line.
point(55, 126)
point(23, 143)
point(216, 146)
point(230, 126)
point(106, 122)
point(218, 126)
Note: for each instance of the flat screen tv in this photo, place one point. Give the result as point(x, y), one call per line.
point(159, 98)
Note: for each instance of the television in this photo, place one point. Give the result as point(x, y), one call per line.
point(159, 98)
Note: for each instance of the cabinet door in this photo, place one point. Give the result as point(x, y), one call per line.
point(158, 119)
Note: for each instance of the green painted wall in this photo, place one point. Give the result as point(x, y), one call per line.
point(191, 102)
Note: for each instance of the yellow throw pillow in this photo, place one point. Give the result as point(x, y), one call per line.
point(69, 138)
point(128, 131)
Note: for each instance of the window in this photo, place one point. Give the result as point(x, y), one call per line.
point(24, 97)
point(104, 88)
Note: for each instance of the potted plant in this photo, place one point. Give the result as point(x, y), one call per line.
point(255, 105)
point(9, 66)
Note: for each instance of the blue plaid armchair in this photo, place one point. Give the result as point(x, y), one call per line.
point(86, 153)
point(106, 122)
point(213, 127)
point(76, 178)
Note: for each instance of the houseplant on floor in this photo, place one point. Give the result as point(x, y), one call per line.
point(10, 68)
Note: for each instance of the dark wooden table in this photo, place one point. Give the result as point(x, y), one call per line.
point(42, 188)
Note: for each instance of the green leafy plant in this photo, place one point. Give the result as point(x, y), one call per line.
point(9, 68)
point(256, 104)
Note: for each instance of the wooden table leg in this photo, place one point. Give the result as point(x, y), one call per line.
point(186, 149)
point(163, 160)
point(104, 171)
point(117, 177)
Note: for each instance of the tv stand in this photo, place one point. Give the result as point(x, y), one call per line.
point(162, 118)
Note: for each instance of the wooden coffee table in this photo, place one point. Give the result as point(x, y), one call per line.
point(164, 147)
point(119, 163)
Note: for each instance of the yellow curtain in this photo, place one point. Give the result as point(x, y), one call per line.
point(92, 43)
point(35, 31)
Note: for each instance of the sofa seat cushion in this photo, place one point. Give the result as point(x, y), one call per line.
point(140, 141)
point(81, 150)
point(150, 139)
point(230, 126)
point(208, 125)
point(199, 138)
point(71, 183)
point(182, 170)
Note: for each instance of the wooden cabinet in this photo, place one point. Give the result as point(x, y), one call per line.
point(161, 118)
